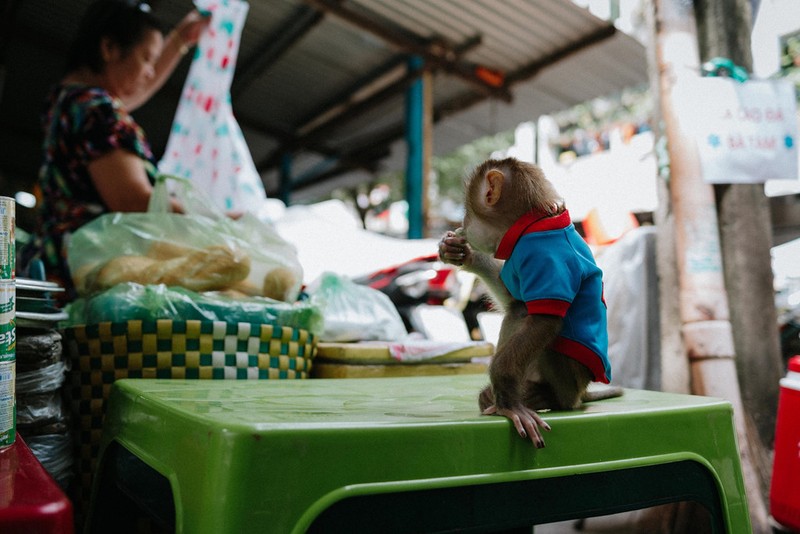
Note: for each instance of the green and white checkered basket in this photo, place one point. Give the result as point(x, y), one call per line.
point(102, 353)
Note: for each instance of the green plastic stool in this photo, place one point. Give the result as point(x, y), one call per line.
point(405, 454)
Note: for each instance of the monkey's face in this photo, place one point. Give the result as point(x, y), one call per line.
point(481, 234)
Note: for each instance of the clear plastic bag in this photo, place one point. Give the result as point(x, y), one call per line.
point(202, 250)
point(353, 312)
point(37, 349)
point(54, 451)
point(48, 378)
point(39, 410)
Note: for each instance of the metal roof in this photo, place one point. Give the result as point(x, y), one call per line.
point(325, 80)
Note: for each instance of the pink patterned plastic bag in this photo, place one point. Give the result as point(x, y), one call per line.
point(206, 144)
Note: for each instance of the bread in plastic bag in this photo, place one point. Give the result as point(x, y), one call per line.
point(202, 250)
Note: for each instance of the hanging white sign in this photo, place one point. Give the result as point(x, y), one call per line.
point(745, 132)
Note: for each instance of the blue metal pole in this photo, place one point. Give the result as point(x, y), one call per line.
point(415, 144)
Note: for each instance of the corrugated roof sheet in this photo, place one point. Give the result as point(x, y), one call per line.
point(326, 79)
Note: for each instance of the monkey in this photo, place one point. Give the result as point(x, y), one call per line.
point(518, 238)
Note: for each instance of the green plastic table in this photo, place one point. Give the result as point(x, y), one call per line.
point(407, 454)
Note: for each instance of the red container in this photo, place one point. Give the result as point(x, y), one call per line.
point(30, 500)
point(785, 489)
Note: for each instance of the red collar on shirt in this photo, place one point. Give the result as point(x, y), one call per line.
point(533, 221)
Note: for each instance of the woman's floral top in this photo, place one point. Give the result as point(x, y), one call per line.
point(81, 123)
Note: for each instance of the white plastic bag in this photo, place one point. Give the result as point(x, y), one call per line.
point(206, 144)
point(352, 312)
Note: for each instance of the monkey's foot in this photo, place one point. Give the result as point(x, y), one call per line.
point(526, 421)
point(485, 398)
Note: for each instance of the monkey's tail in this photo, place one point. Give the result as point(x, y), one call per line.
point(606, 392)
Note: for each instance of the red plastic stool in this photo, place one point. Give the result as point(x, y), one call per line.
point(30, 500)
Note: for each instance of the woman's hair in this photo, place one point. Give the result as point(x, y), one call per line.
point(124, 22)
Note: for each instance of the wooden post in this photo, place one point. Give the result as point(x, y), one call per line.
point(703, 308)
point(674, 366)
point(723, 28)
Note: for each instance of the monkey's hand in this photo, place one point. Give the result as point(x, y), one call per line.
point(526, 421)
point(454, 249)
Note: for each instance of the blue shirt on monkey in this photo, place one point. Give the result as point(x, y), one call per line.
point(550, 268)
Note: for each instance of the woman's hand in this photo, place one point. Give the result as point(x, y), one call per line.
point(184, 36)
point(192, 27)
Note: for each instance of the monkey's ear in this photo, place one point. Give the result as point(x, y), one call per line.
point(494, 186)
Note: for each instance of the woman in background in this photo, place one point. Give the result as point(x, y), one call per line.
point(96, 157)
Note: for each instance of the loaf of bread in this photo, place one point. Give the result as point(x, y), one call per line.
point(208, 269)
point(166, 250)
point(278, 283)
point(120, 269)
